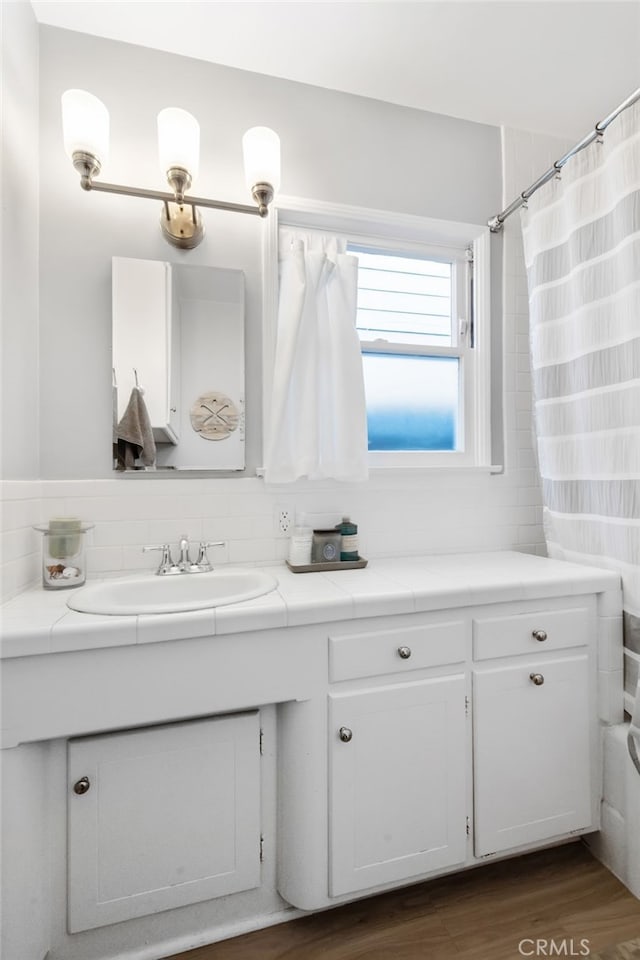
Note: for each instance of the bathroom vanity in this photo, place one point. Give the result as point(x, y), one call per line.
point(192, 776)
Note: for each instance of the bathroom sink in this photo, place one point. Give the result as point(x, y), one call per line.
point(172, 594)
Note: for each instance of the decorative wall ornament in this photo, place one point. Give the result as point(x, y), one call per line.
point(214, 416)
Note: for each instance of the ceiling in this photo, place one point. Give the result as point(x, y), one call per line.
point(553, 66)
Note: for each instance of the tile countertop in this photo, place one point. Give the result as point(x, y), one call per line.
point(39, 621)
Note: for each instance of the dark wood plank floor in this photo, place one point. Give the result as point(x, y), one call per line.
point(562, 894)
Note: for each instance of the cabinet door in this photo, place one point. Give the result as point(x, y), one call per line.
point(170, 815)
point(397, 782)
point(143, 334)
point(532, 754)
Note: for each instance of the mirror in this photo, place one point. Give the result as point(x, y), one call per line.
point(178, 366)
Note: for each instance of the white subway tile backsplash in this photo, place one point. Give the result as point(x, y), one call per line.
point(524, 421)
point(120, 533)
point(239, 528)
point(105, 559)
point(242, 551)
point(19, 543)
point(20, 513)
point(172, 530)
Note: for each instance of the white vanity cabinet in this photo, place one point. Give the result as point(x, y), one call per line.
point(452, 736)
point(534, 723)
point(451, 718)
point(160, 817)
point(397, 754)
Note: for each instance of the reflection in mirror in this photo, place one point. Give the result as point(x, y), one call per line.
point(178, 366)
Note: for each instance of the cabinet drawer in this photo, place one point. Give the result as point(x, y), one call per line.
point(535, 632)
point(396, 650)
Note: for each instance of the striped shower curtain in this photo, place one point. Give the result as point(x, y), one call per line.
point(582, 252)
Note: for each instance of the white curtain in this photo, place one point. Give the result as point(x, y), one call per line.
point(317, 421)
point(582, 251)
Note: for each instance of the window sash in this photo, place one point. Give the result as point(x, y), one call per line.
point(459, 297)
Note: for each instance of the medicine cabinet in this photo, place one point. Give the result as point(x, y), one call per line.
point(178, 334)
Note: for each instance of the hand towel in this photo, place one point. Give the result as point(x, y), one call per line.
point(114, 431)
point(633, 738)
point(135, 436)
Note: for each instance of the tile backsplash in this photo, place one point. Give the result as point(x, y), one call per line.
point(21, 507)
point(404, 515)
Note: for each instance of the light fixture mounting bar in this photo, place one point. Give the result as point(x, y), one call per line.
point(164, 196)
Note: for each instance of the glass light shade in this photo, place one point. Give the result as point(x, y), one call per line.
point(261, 147)
point(85, 124)
point(178, 140)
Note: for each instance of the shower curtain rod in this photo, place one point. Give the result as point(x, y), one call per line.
point(495, 224)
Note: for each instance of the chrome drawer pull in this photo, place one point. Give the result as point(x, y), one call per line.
point(345, 734)
point(537, 678)
point(539, 635)
point(82, 786)
point(404, 652)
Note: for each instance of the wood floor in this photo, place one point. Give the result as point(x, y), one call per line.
point(562, 894)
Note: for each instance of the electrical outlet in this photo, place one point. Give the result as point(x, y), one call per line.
point(284, 521)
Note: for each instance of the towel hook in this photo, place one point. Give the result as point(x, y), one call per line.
point(135, 374)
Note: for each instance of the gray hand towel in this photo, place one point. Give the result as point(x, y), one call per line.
point(135, 436)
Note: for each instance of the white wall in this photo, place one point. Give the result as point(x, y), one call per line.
point(19, 161)
point(336, 147)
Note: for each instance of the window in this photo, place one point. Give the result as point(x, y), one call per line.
point(423, 323)
point(414, 337)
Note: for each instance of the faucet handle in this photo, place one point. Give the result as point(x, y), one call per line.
point(203, 561)
point(167, 564)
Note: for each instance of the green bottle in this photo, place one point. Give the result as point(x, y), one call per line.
point(349, 542)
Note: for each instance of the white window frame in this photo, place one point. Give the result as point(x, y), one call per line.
point(397, 232)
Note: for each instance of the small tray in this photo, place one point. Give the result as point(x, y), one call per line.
point(320, 567)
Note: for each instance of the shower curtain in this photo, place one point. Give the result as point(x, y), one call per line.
point(582, 251)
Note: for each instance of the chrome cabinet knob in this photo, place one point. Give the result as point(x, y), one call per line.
point(82, 786)
point(345, 734)
point(404, 652)
point(537, 678)
point(539, 635)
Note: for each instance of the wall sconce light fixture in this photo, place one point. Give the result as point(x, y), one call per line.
point(85, 123)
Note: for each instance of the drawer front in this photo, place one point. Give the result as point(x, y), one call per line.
point(535, 632)
point(396, 650)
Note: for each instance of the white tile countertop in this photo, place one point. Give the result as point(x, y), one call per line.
point(39, 621)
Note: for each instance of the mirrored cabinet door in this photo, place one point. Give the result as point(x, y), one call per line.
point(178, 349)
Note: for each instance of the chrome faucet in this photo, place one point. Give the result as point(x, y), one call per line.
point(169, 567)
point(185, 561)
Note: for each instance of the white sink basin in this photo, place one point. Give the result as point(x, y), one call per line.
point(172, 594)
